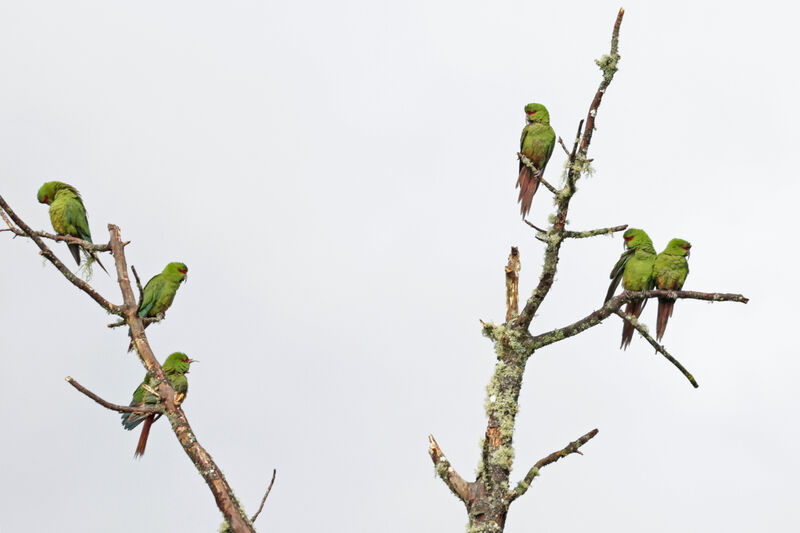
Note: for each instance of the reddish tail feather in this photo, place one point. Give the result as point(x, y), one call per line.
point(635, 309)
point(143, 437)
point(527, 183)
point(665, 307)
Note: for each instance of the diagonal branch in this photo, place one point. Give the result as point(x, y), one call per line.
point(658, 347)
point(50, 256)
point(208, 469)
point(454, 482)
point(572, 447)
point(113, 406)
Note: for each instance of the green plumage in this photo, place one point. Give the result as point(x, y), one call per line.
point(537, 142)
point(68, 215)
point(175, 367)
point(158, 294)
point(670, 271)
point(635, 270)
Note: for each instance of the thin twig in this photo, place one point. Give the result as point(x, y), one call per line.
point(564, 146)
point(537, 228)
point(536, 172)
point(50, 256)
point(455, 482)
point(630, 319)
point(112, 406)
point(264, 499)
point(594, 232)
point(138, 284)
point(572, 447)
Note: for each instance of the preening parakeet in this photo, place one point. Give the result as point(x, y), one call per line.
point(635, 269)
point(160, 291)
point(537, 142)
point(68, 215)
point(670, 271)
point(176, 367)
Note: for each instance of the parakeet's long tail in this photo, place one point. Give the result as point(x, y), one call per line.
point(632, 308)
point(665, 307)
point(75, 250)
point(527, 183)
point(143, 437)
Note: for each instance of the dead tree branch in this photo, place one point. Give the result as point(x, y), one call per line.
point(266, 494)
point(658, 347)
point(594, 232)
point(572, 447)
point(512, 284)
point(50, 256)
point(113, 406)
point(209, 471)
point(454, 482)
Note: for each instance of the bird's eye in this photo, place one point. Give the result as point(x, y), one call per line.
point(628, 239)
point(182, 271)
point(531, 112)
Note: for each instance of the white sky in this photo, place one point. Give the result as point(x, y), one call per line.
point(339, 177)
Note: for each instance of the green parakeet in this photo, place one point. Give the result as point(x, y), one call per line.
point(670, 271)
point(176, 367)
point(160, 291)
point(635, 269)
point(68, 215)
point(537, 142)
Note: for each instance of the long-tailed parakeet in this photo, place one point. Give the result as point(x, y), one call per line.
point(670, 271)
point(160, 291)
point(175, 367)
point(635, 269)
point(68, 215)
point(537, 142)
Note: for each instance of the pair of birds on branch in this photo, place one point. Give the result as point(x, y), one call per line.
point(68, 216)
point(640, 269)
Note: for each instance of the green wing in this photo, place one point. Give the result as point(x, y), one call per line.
point(76, 217)
point(616, 273)
point(152, 292)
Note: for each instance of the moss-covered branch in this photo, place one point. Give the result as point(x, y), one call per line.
point(446, 472)
point(594, 232)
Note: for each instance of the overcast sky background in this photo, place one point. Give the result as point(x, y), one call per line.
point(339, 178)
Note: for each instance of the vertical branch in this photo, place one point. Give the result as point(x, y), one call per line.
point(512, 284)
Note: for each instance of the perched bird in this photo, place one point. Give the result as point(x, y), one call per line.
point(635, 269)
point(670, 271)
point(175, 367)
point(68, 215)
point(160, 291)
point(537, 142)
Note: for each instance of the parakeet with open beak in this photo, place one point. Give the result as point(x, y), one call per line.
point(175, 367)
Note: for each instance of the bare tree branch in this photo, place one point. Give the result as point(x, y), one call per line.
point(113, 406)
point(264, 499)
point(561, 142)
point(455, 482)
point(614, 304)
point(572, 447)
point(512, 283)
point(50, 256)
point(138, 284)
point(69, 239)
point(659, 348)
point(209, 471)
point(594, 232)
